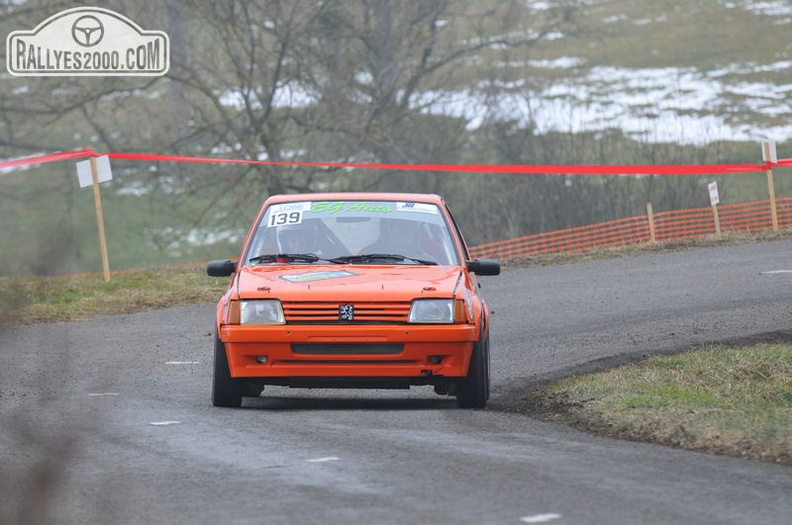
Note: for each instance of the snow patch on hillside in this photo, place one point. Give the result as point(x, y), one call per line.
point(680, 105)
point(776, 8)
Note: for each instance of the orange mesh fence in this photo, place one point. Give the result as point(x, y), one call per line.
point(684, 224)
point(581, 238)
point(670, 225)
point(756, 216)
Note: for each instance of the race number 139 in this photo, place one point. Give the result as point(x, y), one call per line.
point(285, 217)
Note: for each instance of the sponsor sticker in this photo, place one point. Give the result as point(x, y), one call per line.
point(87, 41)
point(291, 206)
point(417, 207)
point(316, 276)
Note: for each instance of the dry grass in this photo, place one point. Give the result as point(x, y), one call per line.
point(47, 299)
point(735, 401)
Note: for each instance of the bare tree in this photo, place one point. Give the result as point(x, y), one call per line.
point(362, 80)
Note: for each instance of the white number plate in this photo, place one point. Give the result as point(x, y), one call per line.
point(285, 217)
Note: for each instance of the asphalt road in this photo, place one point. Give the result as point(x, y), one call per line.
point(109, 420)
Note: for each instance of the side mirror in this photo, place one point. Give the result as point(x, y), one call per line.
point(484, 267)
point(221, 268)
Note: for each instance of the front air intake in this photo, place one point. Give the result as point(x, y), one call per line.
point(347, 349)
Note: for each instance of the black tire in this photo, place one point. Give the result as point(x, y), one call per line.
point(473, 390)
point(226, 391)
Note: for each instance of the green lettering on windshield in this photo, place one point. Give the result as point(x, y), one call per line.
point(327, 207)
point(370, 208)
point(334, 207)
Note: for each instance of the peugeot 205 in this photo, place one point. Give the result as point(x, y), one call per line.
point(353, 290)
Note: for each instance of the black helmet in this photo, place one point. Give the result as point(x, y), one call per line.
point(297, 238)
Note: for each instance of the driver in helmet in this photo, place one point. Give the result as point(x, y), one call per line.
point(298, 238)
point(401, 237)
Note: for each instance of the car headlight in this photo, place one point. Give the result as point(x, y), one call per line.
point(432, 311)
point(261, 311)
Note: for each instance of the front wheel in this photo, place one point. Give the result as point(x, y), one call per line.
point(473, 389)
point(226, 391)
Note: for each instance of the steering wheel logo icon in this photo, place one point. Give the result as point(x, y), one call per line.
point(87, 31)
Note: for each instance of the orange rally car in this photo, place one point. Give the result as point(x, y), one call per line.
point(353, 290)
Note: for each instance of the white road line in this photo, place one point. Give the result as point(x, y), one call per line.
point(775, 272)
point(182, 363)
point(540, 518)
point(322, 460)
point(165, 423)
point(97, 394)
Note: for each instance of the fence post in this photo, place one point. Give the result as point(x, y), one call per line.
point(100, 219)
point(768, 155)
point(714, 200)
point(650, 216)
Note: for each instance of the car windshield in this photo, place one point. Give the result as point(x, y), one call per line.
point(358, 232)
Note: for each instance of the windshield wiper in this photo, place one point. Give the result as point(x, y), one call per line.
point(368, 257)
point(288, 257)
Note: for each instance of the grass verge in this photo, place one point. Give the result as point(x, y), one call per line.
point(735, 401)
point(46, 299)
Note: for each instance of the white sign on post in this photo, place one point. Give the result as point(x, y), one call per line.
point(769, 152)
point(90, 173)
point(713, 191)
point(102, 167)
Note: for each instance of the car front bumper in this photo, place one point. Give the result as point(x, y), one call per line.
point(348, 351)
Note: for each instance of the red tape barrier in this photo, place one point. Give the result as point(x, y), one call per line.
point(680, 169)
point(703, 169)
point(50, 157)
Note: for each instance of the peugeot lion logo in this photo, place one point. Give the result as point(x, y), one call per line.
point(346, 312)
point(87, 31)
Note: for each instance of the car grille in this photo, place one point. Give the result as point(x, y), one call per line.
point(327, 312)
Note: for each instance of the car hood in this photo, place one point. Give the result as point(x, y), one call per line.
point(347, 282)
